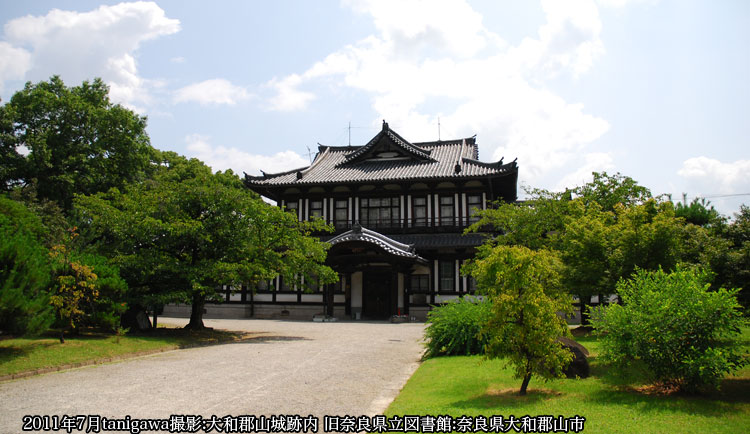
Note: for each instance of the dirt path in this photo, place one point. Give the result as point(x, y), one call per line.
point(288, 368)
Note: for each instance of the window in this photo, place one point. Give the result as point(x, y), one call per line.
point(316, 209)
point(341, 214)
point(420, 283)
point(447, 270)
point(419, 205)
point(472, 285)
point(291, 206)
point(265, 285)
point(379, 212)
point(474, 204)
point(446, 211)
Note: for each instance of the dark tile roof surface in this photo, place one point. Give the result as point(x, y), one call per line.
point(330, 166)
point(432, 241)
point(388, 244)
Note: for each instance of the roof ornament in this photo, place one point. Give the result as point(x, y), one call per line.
point(357, 228)
point(385, 125)
point(457, 169)
point(299, 174)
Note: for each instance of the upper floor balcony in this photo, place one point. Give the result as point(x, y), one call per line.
point(407, 226)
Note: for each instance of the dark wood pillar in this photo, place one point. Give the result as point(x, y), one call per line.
point(394, 291)
point(407, 291)
point(348, 293)
point(329, 299)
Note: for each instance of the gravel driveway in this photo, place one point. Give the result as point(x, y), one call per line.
point(288, 368)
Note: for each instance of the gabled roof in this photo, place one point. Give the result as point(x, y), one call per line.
point(387, 141)
point(376, 161)
point(391, 246)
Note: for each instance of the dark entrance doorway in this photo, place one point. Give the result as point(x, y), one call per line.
point(376, 294)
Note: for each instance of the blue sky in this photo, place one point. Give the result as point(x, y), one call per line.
point(657, 90)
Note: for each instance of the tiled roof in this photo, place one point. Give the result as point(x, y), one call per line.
point(432, 241)
point(441, 159)
point(388, 244)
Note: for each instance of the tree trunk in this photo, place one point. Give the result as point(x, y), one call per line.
point(525, 383)
point(585, 301)
point(62, 336)
point(196, 313)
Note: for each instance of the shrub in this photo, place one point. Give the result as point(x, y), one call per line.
point(453, 328)
point(684, 332)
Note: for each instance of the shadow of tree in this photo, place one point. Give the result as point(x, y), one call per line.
point(704, 405)
point(271, 338)
point(506, 398)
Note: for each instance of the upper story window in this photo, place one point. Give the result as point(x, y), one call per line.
point(447, 208)
point(379, 212)
point(293, 207)
point(316, 209)
point(474, 204)
point(341, 213)
point(419, 209)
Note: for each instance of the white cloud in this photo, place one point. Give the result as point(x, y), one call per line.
point(14, 62)
point(622, 3)
point(99, 43)
point(594, 162)
point(177, 59)
point(223, 158)
point(215, 91)
point(708, 176)
point(288, 97)
point(424, 51)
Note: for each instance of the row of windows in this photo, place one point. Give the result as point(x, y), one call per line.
point(420, 283)
point(386, 212)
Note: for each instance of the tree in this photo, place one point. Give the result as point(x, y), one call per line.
point(524, 288)
point(682, 330)
point(181, 234)
point(610, 190)
point(699, 212)
point(24, 272)
point(77, 141)
point(530, 223)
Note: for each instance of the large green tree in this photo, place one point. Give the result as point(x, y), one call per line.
point(526, 294)
point(179, 235)
point(70, 140)
point(611, 190)
point(24, 271)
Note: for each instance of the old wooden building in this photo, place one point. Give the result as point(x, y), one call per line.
point(399, 210)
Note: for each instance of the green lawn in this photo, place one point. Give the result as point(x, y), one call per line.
point(19, 355)
point(471, 386)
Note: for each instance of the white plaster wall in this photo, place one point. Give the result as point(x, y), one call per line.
point(443, 298)
point(357, 290)
point(262, 297)
point(286, 298)
point(317, 298)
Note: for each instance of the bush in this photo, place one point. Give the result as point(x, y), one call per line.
point(453, 328)
point(684, 332)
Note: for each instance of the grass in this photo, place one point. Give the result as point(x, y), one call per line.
point(472, 386)
point(21, 355)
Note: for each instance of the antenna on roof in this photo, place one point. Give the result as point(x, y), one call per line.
point(309, 153)
point(350, 133)
point(438, 128)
